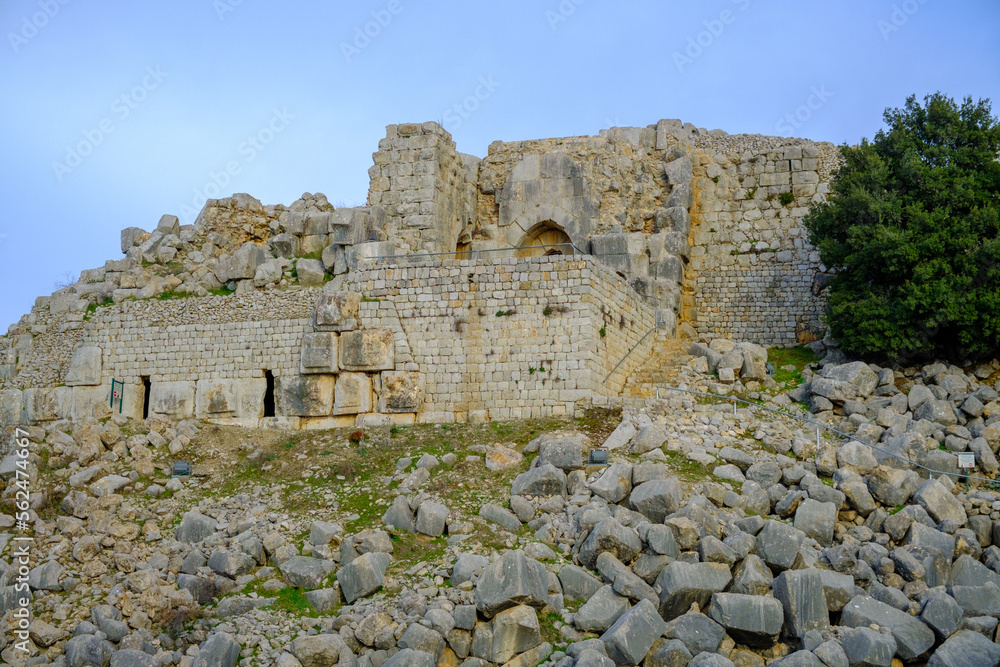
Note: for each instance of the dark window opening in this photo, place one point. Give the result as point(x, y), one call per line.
point(146, 391)
point(269, 394)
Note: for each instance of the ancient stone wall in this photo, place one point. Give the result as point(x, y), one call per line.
point(434, 341)
point(752, 270)
point(423, 192)
point(506, 337)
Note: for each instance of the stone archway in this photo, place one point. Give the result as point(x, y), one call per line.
point(545, 238)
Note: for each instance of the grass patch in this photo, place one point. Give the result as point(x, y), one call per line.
point(408, 549)
point(222, 291)
point(170, 296)
point(800, 357)
point(92, 308)
point(550, 633)
point(688, 469)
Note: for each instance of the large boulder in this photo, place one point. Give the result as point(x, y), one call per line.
point(801, 594)
point(940, 503)
point(609, 535)
point(431, 518)
point(966, 649)
point(938, 411)
point(323, 650)
point(754, 620)
point(305, 572)
point(657, 499)
point(577, 583)
point(511, 580)
point(515, 631)
point(864, 646)
point(682, 584)
point(408, 657)
point(614, 484)
point(633, 634)
point(232, 564)
point(892, 486)
point(363, 575)
point(649, 438)
point(856, 373)
point(778, 544)
point(816, 520)
point(600, 612)
point(913, 638)
point(543, 480)
point(221, 650)
point(565, 452)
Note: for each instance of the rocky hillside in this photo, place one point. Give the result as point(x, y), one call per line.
point(712, 536)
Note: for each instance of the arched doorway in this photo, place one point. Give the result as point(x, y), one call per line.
point(545, 238)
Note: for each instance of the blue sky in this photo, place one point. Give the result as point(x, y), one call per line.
point(117, 112)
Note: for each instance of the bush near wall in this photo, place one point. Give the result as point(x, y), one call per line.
point(912, 227)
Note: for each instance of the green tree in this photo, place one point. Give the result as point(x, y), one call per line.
point(912, 229)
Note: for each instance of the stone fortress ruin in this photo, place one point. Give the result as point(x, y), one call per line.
point(549, 273)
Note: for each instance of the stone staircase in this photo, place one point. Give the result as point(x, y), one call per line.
point(662, 368)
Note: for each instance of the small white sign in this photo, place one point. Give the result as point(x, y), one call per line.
point(966, 460)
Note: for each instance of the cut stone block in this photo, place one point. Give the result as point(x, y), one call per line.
point(216, 399)
point(85, 367)
point(402, 391)
point(353, 394)
point(173, 399)
point(367, 350)
point(305, 395)
point(337, 312)
point(319, 353)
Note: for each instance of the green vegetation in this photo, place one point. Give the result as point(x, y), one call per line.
point(912, 229)
point(92, 308)
point(222, 291)
point(366, 299)
point(786, 198)
point(780, 357)
point(504, 313)
point(170, 296)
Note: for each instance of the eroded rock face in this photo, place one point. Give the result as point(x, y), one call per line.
point(402, 391)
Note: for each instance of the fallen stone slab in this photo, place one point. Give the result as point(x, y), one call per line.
point(543, 480)
point(614, 484)
point(633, 634)
point(609, 535)
point(778, 544)
point(657, 499)
point(801, 594)
point(321, 650)
point(305, 572)
point(601, 611)
point(913, 638)
point(864, 646)
point(753, 620)
point(682, 584)
point(511, 580)
point(500, 516)
point(194, 528)
point(363, 575)
point(966, 649)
